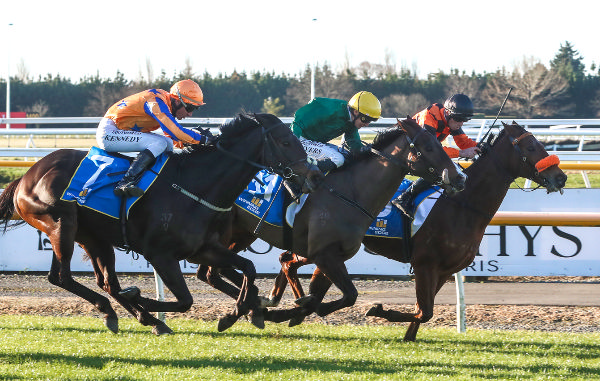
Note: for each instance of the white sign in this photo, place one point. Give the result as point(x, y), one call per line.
point(504, 250)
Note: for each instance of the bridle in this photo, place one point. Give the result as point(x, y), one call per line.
point(281, 169)
point(412, 147)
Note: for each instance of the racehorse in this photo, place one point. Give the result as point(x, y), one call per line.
point(449, 239)
point(165, 225)
point(330, 226)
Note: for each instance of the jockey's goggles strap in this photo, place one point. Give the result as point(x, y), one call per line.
point(201, 201)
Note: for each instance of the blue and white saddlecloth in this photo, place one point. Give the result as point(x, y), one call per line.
point(94, 180)
point(256, 198)
point(389, 222)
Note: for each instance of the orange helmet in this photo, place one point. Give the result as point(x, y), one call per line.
point(188, 92)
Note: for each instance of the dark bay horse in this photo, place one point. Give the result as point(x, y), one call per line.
point(450, 236)
point(330, 226)
point(165, 225)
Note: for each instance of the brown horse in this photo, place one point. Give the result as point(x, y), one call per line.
point(449, 239)
point(165, 225)
point(330, 226)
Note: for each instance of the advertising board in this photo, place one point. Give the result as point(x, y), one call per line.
point(504, 250)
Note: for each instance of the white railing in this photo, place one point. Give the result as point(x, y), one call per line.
point(579, 129)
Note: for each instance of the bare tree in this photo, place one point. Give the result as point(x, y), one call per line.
point(188, 71)
point(40, 108)
point(23, 72)
point(401, 105)
point(102, 99)
point(149, 70)
point(469, 85)
point(327, 85)
point(390, 63)
point(537, 92)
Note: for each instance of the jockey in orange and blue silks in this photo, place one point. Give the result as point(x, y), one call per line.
point(127, 127)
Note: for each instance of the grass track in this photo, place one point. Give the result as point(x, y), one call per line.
point(79, 348)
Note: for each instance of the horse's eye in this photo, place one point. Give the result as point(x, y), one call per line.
point(531, 148)
point(286, 144)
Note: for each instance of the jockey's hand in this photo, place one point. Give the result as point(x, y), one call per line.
point(208, 139)
point(366, 148)
point(469, 152)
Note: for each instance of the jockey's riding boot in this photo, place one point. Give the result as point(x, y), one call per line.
point(127, 186)
point(404, 202)
point(326, 165)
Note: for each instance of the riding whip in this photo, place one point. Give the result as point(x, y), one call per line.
point(497, 115)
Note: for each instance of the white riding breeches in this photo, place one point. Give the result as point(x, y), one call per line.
point(112, 139)
point(318, 150)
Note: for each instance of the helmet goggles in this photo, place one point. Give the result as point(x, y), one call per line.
point(367, 119)
point(460, 118)
point(188, 106)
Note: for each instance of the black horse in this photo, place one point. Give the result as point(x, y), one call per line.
point(165, 225)
point(450, 236)
point(330, 226)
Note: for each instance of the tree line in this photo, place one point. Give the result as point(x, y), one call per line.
point(560, 89)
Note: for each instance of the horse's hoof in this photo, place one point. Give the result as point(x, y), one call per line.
point(258, 319)
point(112, 323)
point(296, 321)
point(375, 310)
point(267, 302)
point(130, 293)
point(161, 329)
point(304, 300)
point(226, 322)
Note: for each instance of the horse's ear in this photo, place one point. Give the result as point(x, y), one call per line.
point(504, 124)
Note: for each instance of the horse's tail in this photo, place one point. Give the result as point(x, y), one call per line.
point(7, 206)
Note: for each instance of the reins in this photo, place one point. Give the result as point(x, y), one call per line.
point(411, 147)
point(283, 171)
point(515, 144)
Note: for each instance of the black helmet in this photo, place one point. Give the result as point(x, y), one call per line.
point(460, 107)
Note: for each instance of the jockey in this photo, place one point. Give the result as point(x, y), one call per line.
point(324, 119)
point(442, 121)
point(127, 127)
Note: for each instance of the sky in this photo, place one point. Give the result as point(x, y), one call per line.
point(84, 38)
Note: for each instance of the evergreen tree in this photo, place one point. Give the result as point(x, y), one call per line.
point(568, 63)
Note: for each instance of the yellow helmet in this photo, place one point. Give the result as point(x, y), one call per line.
point(188, 92)
point(366, 103)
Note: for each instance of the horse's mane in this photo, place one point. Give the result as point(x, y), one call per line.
point(237, 126)
point(498, 138)
point(229, 130)
point(385, 137)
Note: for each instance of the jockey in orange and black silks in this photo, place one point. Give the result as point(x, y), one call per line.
point(435, 119)
point(442, 120)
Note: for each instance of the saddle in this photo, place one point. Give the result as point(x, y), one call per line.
point(94, 179)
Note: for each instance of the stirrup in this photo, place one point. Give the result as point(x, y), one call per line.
point(128, 190)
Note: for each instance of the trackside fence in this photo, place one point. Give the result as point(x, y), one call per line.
point(580, 211)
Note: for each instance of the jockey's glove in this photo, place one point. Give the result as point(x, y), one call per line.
point(366, 148)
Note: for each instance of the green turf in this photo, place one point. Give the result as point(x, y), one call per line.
point(40, 348)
